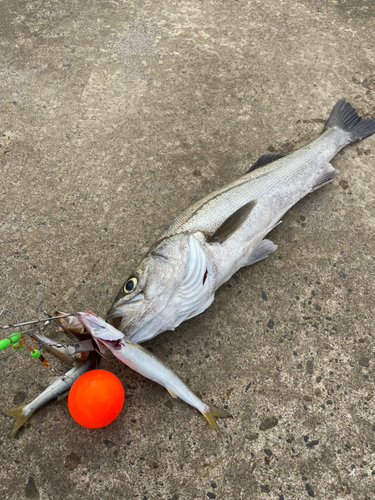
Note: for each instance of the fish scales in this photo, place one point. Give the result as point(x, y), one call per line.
point(207, 243)
point(296, 172)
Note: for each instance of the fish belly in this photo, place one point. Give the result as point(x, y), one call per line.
point(150, 367)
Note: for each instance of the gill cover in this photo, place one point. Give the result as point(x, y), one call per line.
point(191, 295)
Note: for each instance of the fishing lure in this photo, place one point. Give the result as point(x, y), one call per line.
point(34, 340)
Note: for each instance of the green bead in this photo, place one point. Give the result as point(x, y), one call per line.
point(4, 343)
point(15, 337)
point(17, 347)
point(35, 354)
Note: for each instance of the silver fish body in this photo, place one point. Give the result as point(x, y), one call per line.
point(56, 391)
point(145, 363)
point(54, 348)
point(206, 244)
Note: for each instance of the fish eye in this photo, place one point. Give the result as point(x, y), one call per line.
point(130, 285)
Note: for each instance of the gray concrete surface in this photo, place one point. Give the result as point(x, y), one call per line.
point(115, 116)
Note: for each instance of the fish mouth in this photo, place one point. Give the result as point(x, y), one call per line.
point(112, 345)
point(123, 313)
point(114, 317)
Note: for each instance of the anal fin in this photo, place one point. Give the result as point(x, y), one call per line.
point(63, 395)
point(326, 175)
point(261, 251)
point(171, 392)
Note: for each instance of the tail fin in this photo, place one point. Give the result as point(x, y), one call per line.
point(19, 416)
point(344, 116)
point(213, 412)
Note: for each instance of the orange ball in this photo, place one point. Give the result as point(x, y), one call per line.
point(96, 399)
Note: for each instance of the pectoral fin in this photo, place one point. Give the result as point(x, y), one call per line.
point(52, 379)
point(232, 223)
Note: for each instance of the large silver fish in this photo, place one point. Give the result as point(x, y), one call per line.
point(206, 244)
point(146, 363)
point(56, 391)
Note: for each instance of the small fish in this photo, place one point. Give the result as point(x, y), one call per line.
point(56, 391)
point(72, 324)
point(206, 244)
point(57, 350)
point(145, 363)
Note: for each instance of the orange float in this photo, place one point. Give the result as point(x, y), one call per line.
point(96, 398)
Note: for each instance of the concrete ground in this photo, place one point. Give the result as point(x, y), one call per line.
point(115, 116)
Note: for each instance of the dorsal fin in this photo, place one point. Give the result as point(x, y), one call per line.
point(265, 160)
point(232, 223)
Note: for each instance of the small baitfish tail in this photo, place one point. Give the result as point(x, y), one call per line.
point(345, 117)
point(213, 413)
point(20, 417)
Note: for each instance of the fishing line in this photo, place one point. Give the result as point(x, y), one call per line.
point(21, 339)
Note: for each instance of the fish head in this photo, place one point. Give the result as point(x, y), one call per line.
point(103, 333)
point(158, 296)
point(70, 323)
